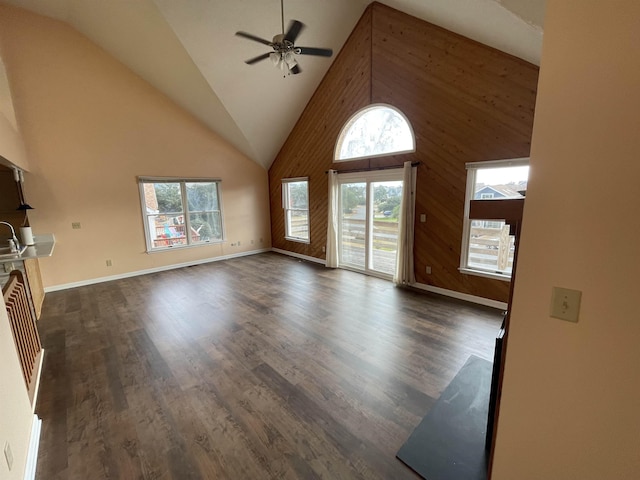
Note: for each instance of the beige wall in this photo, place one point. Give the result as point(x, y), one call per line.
point(15, 410)
point(571, 400)
point(11, 146)
point(90, 126)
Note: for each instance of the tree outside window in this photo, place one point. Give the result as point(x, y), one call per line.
point(180, 212)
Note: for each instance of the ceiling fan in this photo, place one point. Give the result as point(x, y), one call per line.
point(284, 48)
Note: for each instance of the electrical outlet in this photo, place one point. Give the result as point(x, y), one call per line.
point(565, 304)
point(428, 270)
point(423, 217)
point(75, 225)
point(8, 455)
point(109, 263)
point(238, 242)
point(324, 249)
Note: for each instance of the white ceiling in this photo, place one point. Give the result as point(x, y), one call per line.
point(188, 50)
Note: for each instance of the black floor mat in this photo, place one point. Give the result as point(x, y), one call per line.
point(449, 442)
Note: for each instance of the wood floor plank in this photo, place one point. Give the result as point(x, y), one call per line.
point(54, 405)
point(262, 367)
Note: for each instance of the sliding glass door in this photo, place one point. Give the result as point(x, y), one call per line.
point(368, 235)
point(353, 228)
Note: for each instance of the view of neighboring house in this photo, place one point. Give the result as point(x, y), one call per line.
point(491, 248)
point(485, 192)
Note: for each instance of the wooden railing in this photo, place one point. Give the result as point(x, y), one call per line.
point(385, 233)
point(491, 248)
point(177, 235)
point(23, 327)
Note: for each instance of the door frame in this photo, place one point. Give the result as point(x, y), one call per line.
point(366, 177)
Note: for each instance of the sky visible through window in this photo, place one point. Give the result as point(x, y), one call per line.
point(502, 176)
point(376, 130)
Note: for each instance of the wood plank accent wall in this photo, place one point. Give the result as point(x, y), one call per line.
point(308, 152)
point(466, 102)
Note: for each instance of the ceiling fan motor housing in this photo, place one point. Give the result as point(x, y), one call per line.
point(284, 48)
point(282, 45)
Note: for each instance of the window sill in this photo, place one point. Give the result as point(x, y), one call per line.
point(480, 273)
point(298, 240)
point(182, 247)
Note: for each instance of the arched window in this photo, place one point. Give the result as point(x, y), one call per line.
point(374, 131)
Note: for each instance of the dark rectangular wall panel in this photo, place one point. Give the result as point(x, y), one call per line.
point(466, 102)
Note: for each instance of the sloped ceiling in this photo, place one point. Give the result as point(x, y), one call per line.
point(187, 49)
point(6, 105)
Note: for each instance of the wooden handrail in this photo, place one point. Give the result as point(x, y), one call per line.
point(23, 328)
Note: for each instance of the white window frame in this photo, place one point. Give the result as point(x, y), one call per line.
point(185, 212)
point(472, 169)
point(368, 178)
point(287, 210)
point(361, 113)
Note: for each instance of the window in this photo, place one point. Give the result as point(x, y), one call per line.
point(295, 201)
point(180, 212)
point(374, 131)
point(487, 247)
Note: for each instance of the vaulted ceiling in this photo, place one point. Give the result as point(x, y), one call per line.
point(187, 49)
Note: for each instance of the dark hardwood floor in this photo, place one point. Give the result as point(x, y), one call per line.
point(254, 368)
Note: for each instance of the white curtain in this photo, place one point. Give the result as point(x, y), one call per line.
point(404, 274)
point(332, 223)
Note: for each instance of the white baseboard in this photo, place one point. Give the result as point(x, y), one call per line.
point(32, 454)
point(441, 291)
point(462, 296)
point(92, 281)
point(300, 256)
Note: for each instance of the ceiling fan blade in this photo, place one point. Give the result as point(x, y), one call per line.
point(295, 69)
point(295, 27)
point(321, 52)
point(254, 38)
point(257, 59)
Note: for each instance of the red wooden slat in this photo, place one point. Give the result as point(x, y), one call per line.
point(23, 327)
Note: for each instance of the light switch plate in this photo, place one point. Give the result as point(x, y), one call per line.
point(565, 304)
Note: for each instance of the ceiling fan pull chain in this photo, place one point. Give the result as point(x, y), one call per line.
point(282, 14)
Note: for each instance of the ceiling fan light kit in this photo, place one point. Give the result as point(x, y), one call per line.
point(284, 48)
